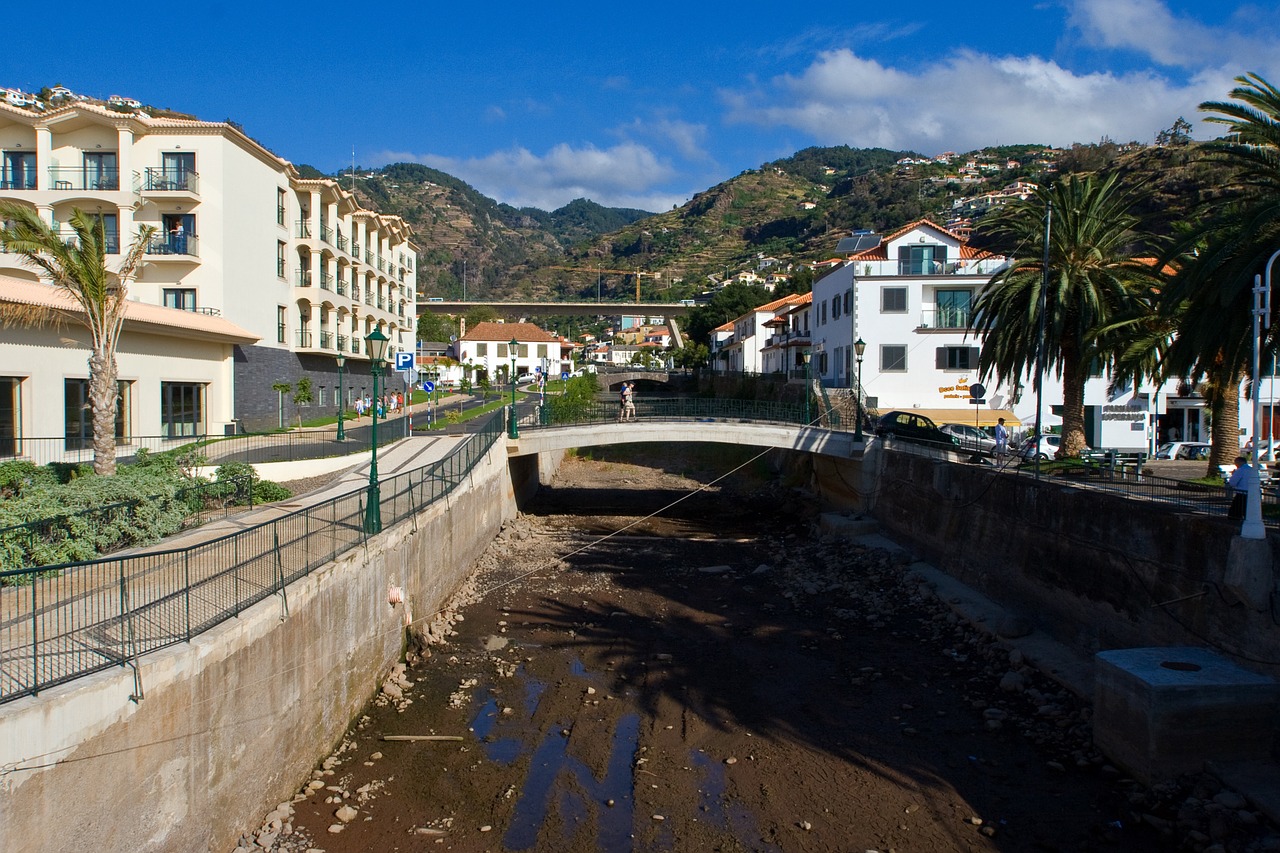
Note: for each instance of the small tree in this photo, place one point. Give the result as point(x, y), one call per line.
point(281, 388)
point(302, 395)
point(484, 384)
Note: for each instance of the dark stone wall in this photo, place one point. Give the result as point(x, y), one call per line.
point(1096, 571)
point(258, 368)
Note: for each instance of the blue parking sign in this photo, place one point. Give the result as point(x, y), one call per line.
point(404, 360)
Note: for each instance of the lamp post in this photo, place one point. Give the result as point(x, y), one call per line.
point(377, 348)
point(1253, 527)
point(342, 433)
point(859, 347)
point(514, 431)
point(808, 354)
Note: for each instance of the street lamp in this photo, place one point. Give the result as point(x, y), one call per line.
point(377, 348)
point(859, 347)
point(342, 433)
point(1253, 527)
point(808, 354)
point(514, 431)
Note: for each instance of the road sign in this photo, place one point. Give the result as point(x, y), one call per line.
point(404, 360)
point(976, 390)
point(564, 374)
point(428, 386)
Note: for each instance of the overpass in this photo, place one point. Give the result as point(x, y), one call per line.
point(542, 309)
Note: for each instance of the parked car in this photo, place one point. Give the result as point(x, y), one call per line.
point(913, 427)
point(1188, 450)
point(971, 437)
point(1045, 447)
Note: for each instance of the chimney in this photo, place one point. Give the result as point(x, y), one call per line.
point(462, 327)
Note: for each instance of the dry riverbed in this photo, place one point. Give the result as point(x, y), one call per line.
point(714, 676)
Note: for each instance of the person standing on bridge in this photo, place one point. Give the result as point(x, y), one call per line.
point(629, 401)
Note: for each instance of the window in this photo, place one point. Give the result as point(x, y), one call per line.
point(893, 358)
point(957, 358)
point(10, 414)
point(922, 259)
point(523, 350)
point(178, 230)
point(542, 350)
point(179, 169)
point(184, 299)
point(893, 300)
point(835, 308)
point(78, 416)
point(280, 262)
point(954, 309)
point(822, 321)
point(100, 171)
point(280, 197)
point(282, 317)
point(181, 409)
point(482, 350)
point(319, 395)
point(19, 170)
point(110, 232)
point(847, 294)
point(502, 350)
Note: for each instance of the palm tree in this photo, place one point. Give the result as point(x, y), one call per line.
point(77, 268)
point(1092, 281)
point(1217, 260)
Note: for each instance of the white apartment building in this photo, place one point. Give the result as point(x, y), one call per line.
point(909, 296)
point(742, 351)
point(300, 271)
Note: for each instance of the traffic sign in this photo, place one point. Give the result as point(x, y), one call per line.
point(564, 374)
point(428, 386)
point(404, 360)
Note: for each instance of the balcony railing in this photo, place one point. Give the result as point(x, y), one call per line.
point(18, 182)
point(368, 297)
point(302, 229)
point(170, 180)
point(326, 340)
point(355, 292)
point(326, 281)
point(110, 245)
point(945, 318)
point(304, 338)
point(280, 214)
point(81, 178)
point(326, 234)
point(186, 245)
point(302, 278)
point(342, 242)
point(382, 266)
point(355, 345)
point(382, 303)
point(342, 286)
point(342, 343)
point(280, 268)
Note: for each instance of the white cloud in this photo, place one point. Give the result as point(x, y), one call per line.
point(967, 100)
point(1149, 28)
point(624, 175)
point(687, 138)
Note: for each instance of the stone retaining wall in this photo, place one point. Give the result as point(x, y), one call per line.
point(234, 721)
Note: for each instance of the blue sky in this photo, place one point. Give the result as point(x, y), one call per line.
point(642, 106)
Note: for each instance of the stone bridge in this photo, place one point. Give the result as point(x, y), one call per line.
point(715, 430)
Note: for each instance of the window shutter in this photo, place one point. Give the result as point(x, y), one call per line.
point(974, 352)
point(941, 356)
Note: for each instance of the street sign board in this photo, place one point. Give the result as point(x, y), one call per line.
point(564, 374)
point(428, 386)
point(404, 360)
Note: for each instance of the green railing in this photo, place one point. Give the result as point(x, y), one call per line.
point(58, 623)
point(557, 412)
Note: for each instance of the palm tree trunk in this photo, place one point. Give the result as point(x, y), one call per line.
point(102, 407)
point(1074, 375)
point(1224, 427)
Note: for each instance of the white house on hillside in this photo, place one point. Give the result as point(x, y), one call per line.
point(486, 348)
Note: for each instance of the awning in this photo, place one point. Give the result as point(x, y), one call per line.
point(986, 417)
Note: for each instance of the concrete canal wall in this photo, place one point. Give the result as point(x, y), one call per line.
point(234, 721)
point(1094, 571)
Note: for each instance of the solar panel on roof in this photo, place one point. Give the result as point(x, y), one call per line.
point(857, 243)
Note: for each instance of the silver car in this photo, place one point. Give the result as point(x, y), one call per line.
point(970, 437)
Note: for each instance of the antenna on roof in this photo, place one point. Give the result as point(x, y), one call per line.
point(353, 170)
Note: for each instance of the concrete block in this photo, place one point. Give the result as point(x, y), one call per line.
point(841, 525)
point(1248, 575)
point(1161, 712)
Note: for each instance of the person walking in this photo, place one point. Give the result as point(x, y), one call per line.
point(1002, 440)
point(629, 402)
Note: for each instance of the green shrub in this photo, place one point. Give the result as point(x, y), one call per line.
point(265, 492)
point(16, 476)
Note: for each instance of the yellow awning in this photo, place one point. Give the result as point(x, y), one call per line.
point(986, 417)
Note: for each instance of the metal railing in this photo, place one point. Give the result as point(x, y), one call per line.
point(59, 623)
point(168, 179)
point(44, 450)
point(83, 178)
point(674, 409)
point(174, 244)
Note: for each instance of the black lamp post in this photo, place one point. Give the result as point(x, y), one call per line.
point(514, 431)
point(808, 354)
point(377, 347)
point(859, 347)
point(342, 433)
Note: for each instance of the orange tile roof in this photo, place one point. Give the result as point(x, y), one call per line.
point(881, 252)
point(503, 332)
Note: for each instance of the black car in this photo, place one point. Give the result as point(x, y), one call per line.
point(912, 427)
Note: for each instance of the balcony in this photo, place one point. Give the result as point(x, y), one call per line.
point(342, 287)
point(952, 319)
point(19, 182)
point(355, 292)
point(302, 278)
point(382, 266)
point(368, 298)
point(78, 178)
point(342, 242)
point(382, 303)
point(326, 340)
point(304, 339)
point(326, 234)
point(176, 246)
point(177, 182)
point(355, 345)
point(302, 229)
point(342, 343)
point(110, 243)
point(326, 281)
